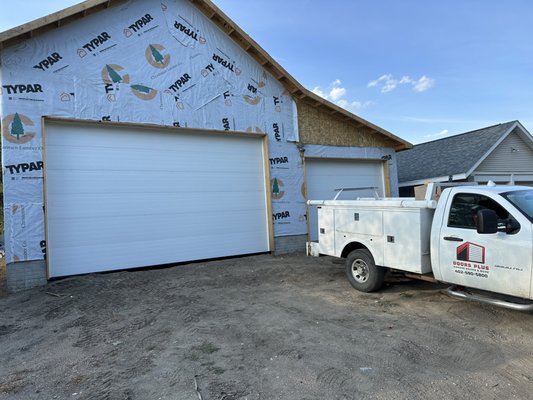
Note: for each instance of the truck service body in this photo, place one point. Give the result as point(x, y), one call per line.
point(478, 237)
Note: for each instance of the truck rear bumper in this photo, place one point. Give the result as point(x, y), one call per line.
point(312, 249)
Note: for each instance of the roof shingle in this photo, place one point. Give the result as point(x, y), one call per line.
point(448, 156)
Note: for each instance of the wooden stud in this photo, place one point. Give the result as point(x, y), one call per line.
point(266, 163)
point(170, 129)
point(45, 200)
point(306, 196)
point(386, 178)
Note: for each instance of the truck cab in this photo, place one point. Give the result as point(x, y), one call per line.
point(466, 254)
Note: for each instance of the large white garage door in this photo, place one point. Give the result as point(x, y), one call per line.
point(124, 197)
point(325, 175)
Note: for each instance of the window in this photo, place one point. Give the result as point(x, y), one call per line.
point(465, 207)
point(523, 200)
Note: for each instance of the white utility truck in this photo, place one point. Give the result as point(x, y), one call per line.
point(473, 237)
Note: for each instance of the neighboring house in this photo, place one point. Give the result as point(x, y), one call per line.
point(181, 139)
point(501, 153)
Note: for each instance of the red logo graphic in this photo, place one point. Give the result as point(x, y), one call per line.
point(471, 252)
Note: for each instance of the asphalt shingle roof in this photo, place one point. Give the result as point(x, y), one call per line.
point(448, 156)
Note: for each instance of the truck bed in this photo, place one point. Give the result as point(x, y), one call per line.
point(396, 231)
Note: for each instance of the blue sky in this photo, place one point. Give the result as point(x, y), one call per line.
point(422, 70)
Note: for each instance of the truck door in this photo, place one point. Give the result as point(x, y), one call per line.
point(499, 262)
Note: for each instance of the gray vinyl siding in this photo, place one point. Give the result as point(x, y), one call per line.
point(504, 159)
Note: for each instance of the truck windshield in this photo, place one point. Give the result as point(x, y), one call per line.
point(523, 200)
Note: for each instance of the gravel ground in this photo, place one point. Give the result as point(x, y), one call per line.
point(257, 327)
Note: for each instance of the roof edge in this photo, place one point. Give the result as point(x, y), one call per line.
point(55, 20)
point(466, 133)
point(446, 178)
point(295, 88)
point(493, 147)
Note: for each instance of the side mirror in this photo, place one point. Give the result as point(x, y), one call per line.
point(511, 226)
point(487, 221)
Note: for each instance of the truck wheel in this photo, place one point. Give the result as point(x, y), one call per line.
point(362, 272)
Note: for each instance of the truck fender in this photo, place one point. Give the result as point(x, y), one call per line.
point(349, 247)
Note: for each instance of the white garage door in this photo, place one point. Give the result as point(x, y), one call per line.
point(325, 175)
point(124, 197)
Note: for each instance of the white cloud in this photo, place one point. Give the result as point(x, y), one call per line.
point(336, 94)
point(353, 106)
point(388, 83)
point(440, 134)
point(319, 92)
point(423, 84)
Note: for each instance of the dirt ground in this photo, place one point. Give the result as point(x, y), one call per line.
point(258, 327)
point(3, 287)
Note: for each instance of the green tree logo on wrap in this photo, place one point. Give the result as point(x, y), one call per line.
point(111, 73)
point(15, 128)
point(276, 184)
point(155, 56)
point(143, 92)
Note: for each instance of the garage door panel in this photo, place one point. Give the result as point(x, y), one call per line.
point(140, 198)
point(325, 175)
point(150, 227)
point(82, 159)
point(177, 182)
point(137, 139)
point(111, 257)
point(82, 205)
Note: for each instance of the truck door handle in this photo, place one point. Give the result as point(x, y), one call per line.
point(452, 238)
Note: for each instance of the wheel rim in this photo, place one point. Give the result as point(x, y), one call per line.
point(360, 270)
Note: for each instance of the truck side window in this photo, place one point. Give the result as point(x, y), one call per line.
point(465, 207)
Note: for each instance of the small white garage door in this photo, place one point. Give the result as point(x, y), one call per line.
point(124, 197)
point(324, 175)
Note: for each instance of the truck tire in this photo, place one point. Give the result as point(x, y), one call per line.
point(362, 272)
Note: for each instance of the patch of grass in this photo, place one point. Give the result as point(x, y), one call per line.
point(206, 348)
point(387, 304)
point(211, 367)
point(216, 370)
point(192, 356)
point(406, 294)
point(76, 379)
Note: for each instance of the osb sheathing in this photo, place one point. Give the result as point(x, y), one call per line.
point(317, 126)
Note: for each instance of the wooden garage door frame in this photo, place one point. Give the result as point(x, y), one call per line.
point(386, 179)
point(172, 130)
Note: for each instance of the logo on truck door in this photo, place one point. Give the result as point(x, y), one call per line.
point(471, 261)
point(471, 252)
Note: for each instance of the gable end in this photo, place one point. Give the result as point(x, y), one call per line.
point(513, 154)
